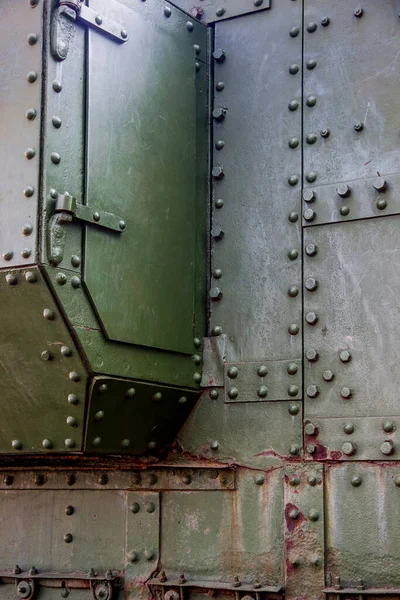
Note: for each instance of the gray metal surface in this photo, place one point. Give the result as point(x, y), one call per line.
point(20, 116)
point(356, 302)
point(209, 11)
point(250, 263)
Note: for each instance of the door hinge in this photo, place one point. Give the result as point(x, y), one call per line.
point(71, 11)
point(67, 209)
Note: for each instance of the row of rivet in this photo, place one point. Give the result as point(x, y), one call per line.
point(262, 371)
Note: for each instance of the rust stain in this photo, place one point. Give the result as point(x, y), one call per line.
point(321, 451)
point(335, 455)
point(291, 524)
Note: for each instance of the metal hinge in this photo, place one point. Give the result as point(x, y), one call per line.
point(67, 209)
point(71, 11)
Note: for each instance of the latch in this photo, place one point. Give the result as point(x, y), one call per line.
point(70, 11)
point(67, 208)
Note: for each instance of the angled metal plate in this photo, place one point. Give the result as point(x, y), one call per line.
point(351, 352)
point(20, 116)
point(134, 417)
point(143, 167)
point(209, 11)
point(43, 379)
point(256, 257)
point(263, 381)
point(142, 535)
point(353, 83)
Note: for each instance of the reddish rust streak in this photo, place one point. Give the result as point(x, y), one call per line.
point(335, 455)
point(292, 523)
point(272, 452)
point(321, 451)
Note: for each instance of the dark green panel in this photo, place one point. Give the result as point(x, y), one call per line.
point(256, 262)
point(20, 115)
point(134, 417)
point(356, 304)
point(141, 166)
point(43, 379)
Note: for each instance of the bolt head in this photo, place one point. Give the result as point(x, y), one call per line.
point(358, 126)
point(311, 318)
point(356, 481)
point(388, 426)
point(293, 105)
point(309, 195)
point(328, 375)
point(233, 393)
point(381, 204)
point(387, 447)
point(214, 445)
point(343, 190)
point(294, 32)
point(293, 329)
point(311, 284)
point(294, 450)
point(311, 27)
point(262, 371)
point(293, 291)
point(312, 355)
point(358, 12)
point(346, 393)
point(292, 368)
point(309, 214)
point(310, 429)
point(349, 448)
point(325, 133)
point(311, 64)
point(293, 254)
point(313, 515)
point(379, 184)
point(214, 394)
point(345, 356)
point(325, 21)
point(294, 409)
point(219, 55)
point(311, 249)
point(312, 391)
point(348, 428)
point(262, 391)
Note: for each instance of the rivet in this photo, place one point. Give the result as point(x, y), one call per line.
point(219, 114)
point(30, 114)
point(150, 507)
point(8, 254)
point(125, 443)
point(236, 581)
point(259, 479)
point(29, 191)
point(328, 375)
point(56, 121)
point(75, 282)
point(348, 428)
point(358, 12)
point(294, 480)
point(293, 143)
point(16, 444)
point(293, 329)
point(197, 49)
point(311, 64)
point(187, 479)
point(133, 556)
point(359, 126)
point(262, 391)
point(293, 390)
point(215, 293)
point(311, 27)
point(311, 101)
point(295, 562)
point(233, 393)
point(214, 394)
point(219, 144)
point(311, 284)
point(48, 314)
point(70, 479)
point(46, 355)
point(196, 358)
point(293, 180)
point(349, 448)
point(388, 426)
point(197, 377)
point(57, 87)
point(29, 153)
point(75, 260)
point(30, 277)
point(69, 510)
point(220, 12)
point(40, 479)
point(312, 480)
point(130, 393)
point(69, 443)
point(311, 176)
point(309, 214)
point(356, 481)
point(312, 391)
point(99, 416)
point(325, 21)
point(312, 355)
point(157, 396)
point(66, 351)
point(197, 342)
point(325, 132)
point(294, 32)
point(72, 399)
point(219, 55)
point(292, 368)
point(257, 2)
point(293, 254)
point(32, 39)
point(397, 481)
point(216, 330)
point(124, 34)
point(293, 69)
point(102, 479)
point(218, 203)
point(217, 273)
point(74, 376)
point(53, 193)
point(293, 291)
point(294, 450)
point(31, 76)
point(310, 429)
point(27, 229)
point(232, 372)
point(47, 444)
point(32, 4)
point(8, 480)
point(381, 203)
point(344, 211)
point(311, 138)
point(55, 158)
point(102, 388)
point(387, 447)
point(294, 409)
point(262, 371)
point(11, 279)
point(293, 105)
point(68, 538)
point(98, 19)
point(346, 393)
point(294, 513)
point(26, 252)
point(293, 217)
point(214, 445)
point(71, 421)
point(309, 196)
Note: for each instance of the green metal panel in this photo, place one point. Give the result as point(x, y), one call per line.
point(142, 536)
point(256, 256)
point(141, 165)
point(20, 115)
point(43, 379)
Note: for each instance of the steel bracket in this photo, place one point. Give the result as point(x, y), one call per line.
point(68, 206)
point(99, 22)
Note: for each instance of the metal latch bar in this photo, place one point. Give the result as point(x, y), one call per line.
point(67, 204)
point(96, 20)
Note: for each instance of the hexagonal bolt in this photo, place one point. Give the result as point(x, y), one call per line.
point(343, 190)
point(379, 184)
point(311, 318)
point(215, 293)
point(311, 249)
point(309, 196)
point(311, 284)
point(219, 114)
point(309, 214)
point(312, 391)
point(312, 355)
point(387, 447)
point(349, 448)
point(345, 356)
point(310, 429)
point(218, 172)
point(219, 55)
point(346, 393)
point(328, 375)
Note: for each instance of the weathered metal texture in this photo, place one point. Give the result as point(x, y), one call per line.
point(256, 256)
point(43, 379)
point(362, 537)
point(20, 116)
point(354, 438)
point(210, 11)
point(135, 417)
point(351, 91)
point(142, 546)
point(351, 351)
point(260, 381)
point(304, 531)
point(217, 430)
point(230, 538)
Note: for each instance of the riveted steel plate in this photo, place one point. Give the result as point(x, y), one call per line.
point(256, 257)
point(353, 83)
point(356, 304)
point(362, 510)
point(32, 520)
point(43, 379)
point(361, 200)
point(304, 530)
point(142, 544)
point(143, 167)
point(262, 381)
point(222, 478)
point(135, 417)
point(216, 430)
point(245, 524)
point(209, 11)
point(20, 116)
point(214, 357)
point(359, 438)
